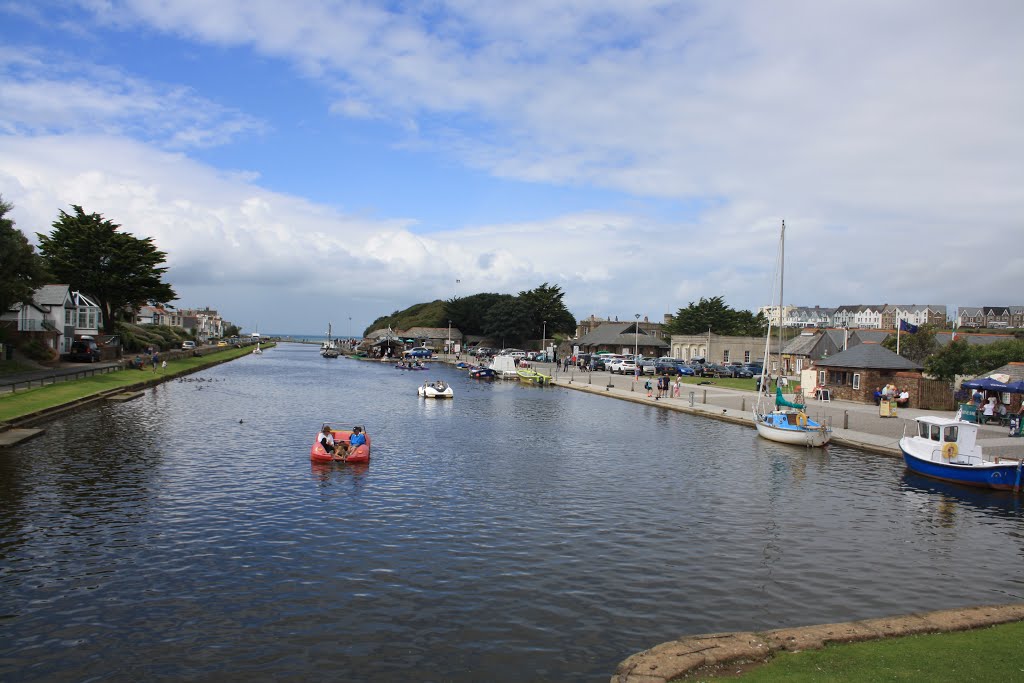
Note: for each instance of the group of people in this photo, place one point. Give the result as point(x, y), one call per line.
point(664, 388)
point(340, 450)
point(890, 393)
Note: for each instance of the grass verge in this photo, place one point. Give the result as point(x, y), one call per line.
point(988, 654)
point(22, 403)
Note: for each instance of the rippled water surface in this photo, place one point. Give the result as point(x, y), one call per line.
point(511, 534)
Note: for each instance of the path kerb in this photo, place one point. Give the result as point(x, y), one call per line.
point(689, 654)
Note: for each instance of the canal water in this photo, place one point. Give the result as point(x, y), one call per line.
point(514, 533)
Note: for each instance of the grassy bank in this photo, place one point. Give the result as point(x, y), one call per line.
point(22, 403)
point(988, 654)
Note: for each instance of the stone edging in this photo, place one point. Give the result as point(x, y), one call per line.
point(676, 658)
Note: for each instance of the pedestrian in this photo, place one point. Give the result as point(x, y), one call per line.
point(647, 386)
point(679, 385)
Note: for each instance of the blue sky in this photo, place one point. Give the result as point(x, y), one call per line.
point(302, 164)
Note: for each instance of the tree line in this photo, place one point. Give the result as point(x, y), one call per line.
point(90, 254)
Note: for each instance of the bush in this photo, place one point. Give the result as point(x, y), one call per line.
point(38, 351)
point(135, 338)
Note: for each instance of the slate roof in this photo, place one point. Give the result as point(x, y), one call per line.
point(621, 334)
point(1014, 370)
point(430, 333)
point(802, 345)
point(869, 356)
point(51, 295)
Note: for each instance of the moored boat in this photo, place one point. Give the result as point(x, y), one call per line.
point(478, 372)
point(947, 449)
point(504, 367)
point(531, 376)
point(360, 453)
point(436, 389)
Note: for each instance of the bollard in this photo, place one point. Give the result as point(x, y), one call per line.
point(743, 405)
point(691, 399)
point(846, 419)
point(705, 397)
point(590, 378)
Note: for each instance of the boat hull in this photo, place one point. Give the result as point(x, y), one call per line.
point(431, 392)
point(812, 436)
point(361, 453)
point(1002, 477)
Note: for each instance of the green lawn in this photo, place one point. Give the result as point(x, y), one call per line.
point(988, 654)
point(21, 403)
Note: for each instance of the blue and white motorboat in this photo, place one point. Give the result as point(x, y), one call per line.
point(947, 449)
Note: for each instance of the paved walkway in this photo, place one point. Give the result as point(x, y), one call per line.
point(853, 424)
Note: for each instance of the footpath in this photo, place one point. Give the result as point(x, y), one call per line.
point(856, 425)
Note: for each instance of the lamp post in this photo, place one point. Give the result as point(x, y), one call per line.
point(544, 340)
point(636, 344)
point(449, 349)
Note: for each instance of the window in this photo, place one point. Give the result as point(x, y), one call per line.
point(746, 356)
point(69, 316)
point(950, 434)
point(821, 377)
point(935, 432)
point(725, 356)
point(922, 429)
point(856, 380)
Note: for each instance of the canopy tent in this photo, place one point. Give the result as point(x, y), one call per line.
point(986, 384)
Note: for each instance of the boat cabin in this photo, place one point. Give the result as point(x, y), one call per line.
point(942, 431)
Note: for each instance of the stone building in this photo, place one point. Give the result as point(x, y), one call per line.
point(854, 374)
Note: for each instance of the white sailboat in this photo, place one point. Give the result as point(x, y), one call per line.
point(786, 421)
point(329, 349)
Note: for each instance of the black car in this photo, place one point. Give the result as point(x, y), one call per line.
point(84, 350)
point(743, 372)
point(715, 370)
point(667, 366)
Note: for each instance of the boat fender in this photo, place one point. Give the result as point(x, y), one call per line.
point(801, 419)
point(949, 451)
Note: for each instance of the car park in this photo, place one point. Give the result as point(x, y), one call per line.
point(600, 361)
point(515, 353)
point(419, 352)
point(686, 370)
point(739, 371)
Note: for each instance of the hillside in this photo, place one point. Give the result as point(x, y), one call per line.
point(430, 314)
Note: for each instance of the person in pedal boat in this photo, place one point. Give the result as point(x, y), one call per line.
point(326, 440)
point(354, 441)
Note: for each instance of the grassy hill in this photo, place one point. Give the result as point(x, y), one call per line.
point(430, 314)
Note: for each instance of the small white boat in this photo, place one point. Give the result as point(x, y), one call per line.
point(436, 389)
point(258, 351)
point(505, 367)
point(947, 449)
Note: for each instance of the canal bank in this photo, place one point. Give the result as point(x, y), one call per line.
point(21, 411)
point(855, 425)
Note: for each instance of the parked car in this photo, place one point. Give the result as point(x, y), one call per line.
point(515, 353)
point(626, 366)
point(481, 351)
point(647, 366)
point(188, 346)
point(683, 369)
point(667, 366)
point(743, 372)
point(419, 352)
point(600, 361)
point(84, 350)
point(222, 343)
point(715, 370)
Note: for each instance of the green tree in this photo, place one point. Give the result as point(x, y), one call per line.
point(468, 313)
point(22, 270)
point(510, 321)
point(547, 309)
point(715, 314)
point(915, 346)
point(120, 271)
point(958, 358)
point(232, 331)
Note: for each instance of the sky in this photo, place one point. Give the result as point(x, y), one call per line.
point(331, 162)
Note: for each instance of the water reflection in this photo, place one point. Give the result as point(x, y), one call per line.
point(512, 533)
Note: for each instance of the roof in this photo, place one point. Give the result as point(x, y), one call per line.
point(869, 356)
point(430, 333)
point(624, 334)
point(1014, 370)
point(51, 295)
point(802, 345)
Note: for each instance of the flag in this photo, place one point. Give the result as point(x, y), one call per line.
point(907, 327)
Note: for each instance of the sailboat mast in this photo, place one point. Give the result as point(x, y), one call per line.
point(782, 279)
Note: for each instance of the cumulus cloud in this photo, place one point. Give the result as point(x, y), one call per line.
point(885, 134)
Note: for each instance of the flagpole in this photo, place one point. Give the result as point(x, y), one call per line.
point(899, 328)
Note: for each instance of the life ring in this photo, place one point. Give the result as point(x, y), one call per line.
point(801, 419)
point(949, 451)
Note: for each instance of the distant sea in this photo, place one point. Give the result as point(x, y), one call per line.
point(304, 337)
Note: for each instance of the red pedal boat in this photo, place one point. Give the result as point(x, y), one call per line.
point(360, 453)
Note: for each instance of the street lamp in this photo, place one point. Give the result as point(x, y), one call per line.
point(544, 340)
point(636, 344)
point(449, 349)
